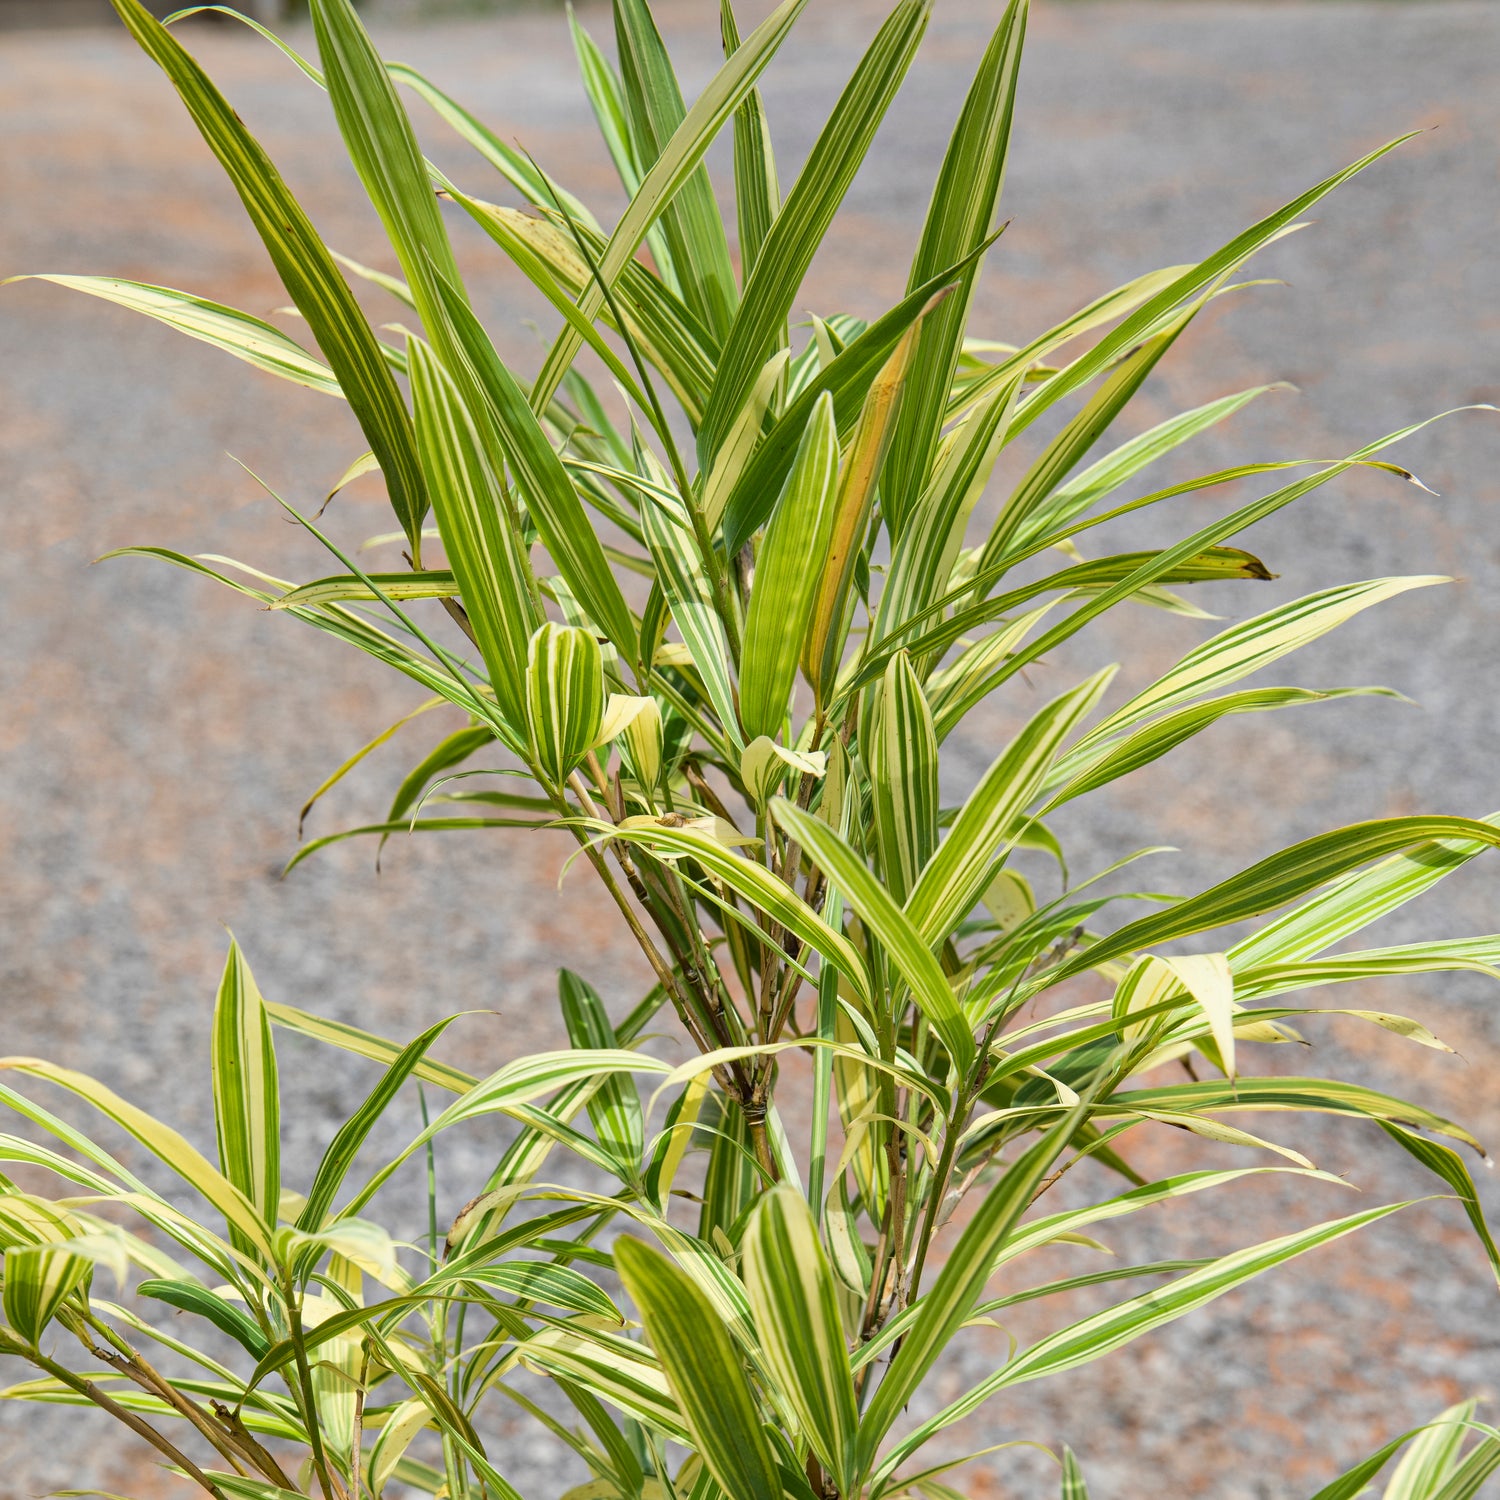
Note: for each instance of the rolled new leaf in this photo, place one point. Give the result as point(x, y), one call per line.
point(564, 698)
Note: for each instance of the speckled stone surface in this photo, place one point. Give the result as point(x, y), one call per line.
point(159, 734)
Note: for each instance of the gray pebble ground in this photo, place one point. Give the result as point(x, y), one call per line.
point(159, 734)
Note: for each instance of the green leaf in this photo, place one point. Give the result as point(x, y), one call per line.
point(823, 650)
point(960, 218)
point(615, 1106)
point(732, 1177)
point(1106, 475)
point(190, 1297)
point(1479, 955)
point(450, 751)
point(550, 497)
point(795, 1303)
point(353, 1133)
point(922, 557)
point(1209, 536)
point(902, 755)
point(1058, 459)
point(757, 193)
point(1356, 1482)
point(237, 333)
point(662, 328)
point(1357, 900)
point(1081, 578)
point(1318, 1095)
point(681, 576)
point(616, 1370)
point(690, 222)
point(482, 541)
point(383, 149)
point(1194, 280)
point(756, 885)
point(944, 1310)
point(513, 164)
point(247, 1099)
point(517, 234)
point(1088, 766)
point(38, 1280)
point(892, 928)
point(1073, 1486)
point(343, 587)
point(304, 265)
point(1100, 1334)
point(1427, 1464)
point(408, 826)
point(241, 1487)
point(1276, 880)
point(564, 698)
point(969, 390)
point(163, 1142)
point(679, 159)
point(505, 1091)
point(1245, 648)
point(1446, 1163)
point(717, 481)
point(607, 99)
point(787, 568)
point(847, 378)
point(705, 1373)
point(957, 874)
point(801, 226)
point(365, 1044)
point(1469, 1475)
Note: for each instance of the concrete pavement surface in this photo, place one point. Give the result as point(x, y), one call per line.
point(159, 733)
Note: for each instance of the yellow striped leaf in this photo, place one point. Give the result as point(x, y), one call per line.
point(796, 1309)
point(787, 569)
point(38, 1280)
point(902, 940)
point(479, 533)
point(902, 755)
point(957, 874)
point(704, 1371)
point(800, 227)
point(960, 218)
point(304, 265)
point(226, 328)
point(247, 1099)
point(679, 159)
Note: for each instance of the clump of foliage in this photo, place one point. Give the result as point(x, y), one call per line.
point(720, 622)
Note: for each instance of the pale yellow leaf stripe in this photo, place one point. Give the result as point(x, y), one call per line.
point(164, 1142)
point(226, 328)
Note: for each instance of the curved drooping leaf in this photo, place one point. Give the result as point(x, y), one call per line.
point(304, 265)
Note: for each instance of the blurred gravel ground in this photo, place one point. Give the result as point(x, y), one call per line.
point(159, 734)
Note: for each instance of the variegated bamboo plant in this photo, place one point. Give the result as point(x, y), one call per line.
point(723, 608)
